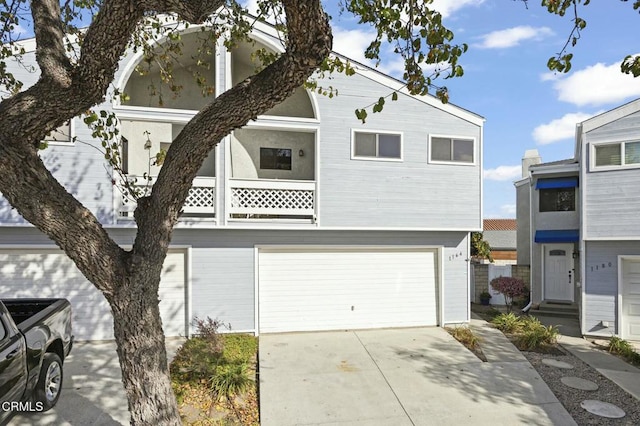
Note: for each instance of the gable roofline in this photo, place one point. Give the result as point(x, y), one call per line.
point(362, 69)
point(609, 116)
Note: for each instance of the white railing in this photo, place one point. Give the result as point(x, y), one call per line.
point(201, 200)
point(259, 198)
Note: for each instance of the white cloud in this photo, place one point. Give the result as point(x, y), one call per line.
point(449, 7)
point(511, 37)
point(503, 173)
point(596, 85)
point(508, 209)
point(352, 44)
point(559, 129)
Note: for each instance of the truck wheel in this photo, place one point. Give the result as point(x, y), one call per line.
point(49, 385)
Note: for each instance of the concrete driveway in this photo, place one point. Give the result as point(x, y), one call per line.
point(418, 376)
point(92, 391)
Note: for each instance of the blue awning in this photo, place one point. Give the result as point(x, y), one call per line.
point(558, 236)
point(563, 182)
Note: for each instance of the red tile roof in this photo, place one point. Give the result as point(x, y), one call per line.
point(499, 225)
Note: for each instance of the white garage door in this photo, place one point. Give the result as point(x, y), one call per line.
point(631, 299)
point(50, 273)
point(330, 289)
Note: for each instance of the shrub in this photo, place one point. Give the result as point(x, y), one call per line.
point(200, 355)
point(465, 336)
point(239, 347)
point(510, 287)
point(508, 323)
point(230, 380)
point(535, 336)
point(623, 348)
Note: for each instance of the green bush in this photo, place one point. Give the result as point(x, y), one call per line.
point(239, 347)
point(508, 323)
point(625, 349)
point(230, 380)
point(200, 355)
point(536, 336)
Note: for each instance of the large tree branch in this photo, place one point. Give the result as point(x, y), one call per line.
point(308, 44)
point(50, 53)
point(194, 11)
point(27, 117)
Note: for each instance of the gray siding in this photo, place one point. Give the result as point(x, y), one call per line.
point(612, 197)
point(554, 220)
point(223, 264)
point(411, 193)
point(601, 283)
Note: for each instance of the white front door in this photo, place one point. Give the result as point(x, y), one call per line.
point(558, 272)
point(630, 299)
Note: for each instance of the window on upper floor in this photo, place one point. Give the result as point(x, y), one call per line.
point(443, 149)
point(557, 199)
point(61, 135)
point(376, 146)
point(275, 158)
point(616, 155)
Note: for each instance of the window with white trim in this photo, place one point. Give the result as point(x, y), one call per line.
point(61, 135)
point(451, 150)
point(616, 154)
point(383, 146)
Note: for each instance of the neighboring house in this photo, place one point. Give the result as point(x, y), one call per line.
point(579, 226)
point(305, 219)
point(501, 236)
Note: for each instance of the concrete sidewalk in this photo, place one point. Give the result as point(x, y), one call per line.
point(619, 372)
point(417, 376)
point(613, 368)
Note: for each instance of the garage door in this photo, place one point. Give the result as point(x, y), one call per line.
point(50, 273)
point(329, 289)
point(631, 299)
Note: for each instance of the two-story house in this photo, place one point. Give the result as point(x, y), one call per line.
point(305, 219)
point(579, 227)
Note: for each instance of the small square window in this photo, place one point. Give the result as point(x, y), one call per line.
point(557, 199)
point(608, 155)
point(452, 150)
point(60, 135)
point(275, 158)
point(377, 145)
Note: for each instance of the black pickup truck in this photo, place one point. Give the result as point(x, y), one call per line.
point(35, 338)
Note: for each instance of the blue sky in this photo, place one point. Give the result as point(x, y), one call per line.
point(506, 79)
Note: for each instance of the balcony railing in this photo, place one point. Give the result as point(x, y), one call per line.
point(255, 199)
point(200, 202)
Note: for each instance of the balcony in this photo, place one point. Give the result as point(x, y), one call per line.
point(271, 199)
point(200, 202)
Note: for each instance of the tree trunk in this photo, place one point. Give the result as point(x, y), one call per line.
point(141, 349)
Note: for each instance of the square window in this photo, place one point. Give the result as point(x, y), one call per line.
point(441, 149)
point(608, 155)
point(60, 135)
point(632, 153)
point(557, 200)
point(389, 146)
point(452, 150)
point(463, 150)
point(365, 145)
point(275, 158)
point(377, 145)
